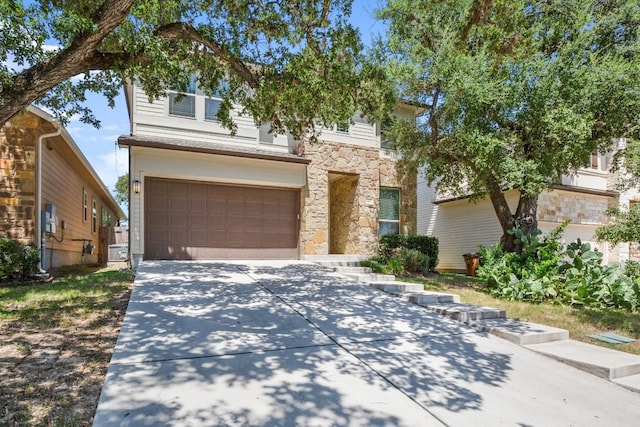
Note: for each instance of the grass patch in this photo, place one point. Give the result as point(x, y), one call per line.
point(56, 339)
point(578, 321)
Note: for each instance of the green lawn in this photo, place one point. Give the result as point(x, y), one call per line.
point(56, 340)
point(578, 321)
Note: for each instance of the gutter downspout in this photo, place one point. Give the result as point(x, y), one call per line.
point(38, 207)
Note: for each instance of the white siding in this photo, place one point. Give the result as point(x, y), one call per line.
point(461, 226)
point(152, 119)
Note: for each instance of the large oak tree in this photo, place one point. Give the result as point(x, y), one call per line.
point(285, 62)
point(516, 92)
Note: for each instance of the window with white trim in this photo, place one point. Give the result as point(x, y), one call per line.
point(94, 216)
point(386, 138)
point(85, 206)
point(389, 215)
point(183, 103)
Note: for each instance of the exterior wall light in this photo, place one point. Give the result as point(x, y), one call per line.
point(135, 186)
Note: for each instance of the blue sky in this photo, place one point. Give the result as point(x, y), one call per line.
point(100, 145)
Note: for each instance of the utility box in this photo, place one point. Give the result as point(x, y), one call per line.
point(118, 253)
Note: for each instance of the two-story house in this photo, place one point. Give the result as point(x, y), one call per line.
point(200, 193)
point(462, 226)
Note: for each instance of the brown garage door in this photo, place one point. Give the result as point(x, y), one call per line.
point(199, 220)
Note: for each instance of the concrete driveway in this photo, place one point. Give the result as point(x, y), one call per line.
point(277, 343)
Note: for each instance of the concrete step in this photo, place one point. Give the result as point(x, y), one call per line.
point(336, 260)
point(429, 297)
point(352, 270)
point(522, 333)
point(396, 287)
point(370, 277)
point(600, 361)
point(632, 382)
point(466, 312)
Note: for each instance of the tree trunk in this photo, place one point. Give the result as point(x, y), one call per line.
point(526, 216)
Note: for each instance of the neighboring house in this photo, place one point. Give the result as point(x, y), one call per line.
point(198, 192)
point(50, 196)
point(461, 225)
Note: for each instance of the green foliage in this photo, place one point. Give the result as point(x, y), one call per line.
point(624, 227)
point(428, 245)
point(415, 261)
point(122, 189)
point(374, 265)
point(395, 265)
point(545, 271)
point(285, 63)
point(632, 269)
point(626, 162)
point(18, 262)
point(515, 92)
point(587, 282)
point(531, 275)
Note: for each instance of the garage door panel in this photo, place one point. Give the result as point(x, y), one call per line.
point(196, 220)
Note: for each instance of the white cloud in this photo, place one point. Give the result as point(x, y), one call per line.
point(110, 166)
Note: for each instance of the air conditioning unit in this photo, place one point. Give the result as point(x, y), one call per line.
point(118, 252)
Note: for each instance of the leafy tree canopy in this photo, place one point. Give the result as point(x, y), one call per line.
point(284, 62)
point(624, 226)
point(515, 92)
point(122, 189)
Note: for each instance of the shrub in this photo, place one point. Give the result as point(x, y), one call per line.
point(415, 261)
point(530, 275)
point(396, 265)
point(632, 269)
point(374, 265)
point(428, 245)
point(587, 282)
point(17, 261)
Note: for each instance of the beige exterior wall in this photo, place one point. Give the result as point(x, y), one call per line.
point(64, 180)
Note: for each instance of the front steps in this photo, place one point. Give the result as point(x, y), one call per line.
point(349, 265)
point(613, 365)
point(616, 366)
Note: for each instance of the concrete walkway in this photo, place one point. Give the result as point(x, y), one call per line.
point(291, 344)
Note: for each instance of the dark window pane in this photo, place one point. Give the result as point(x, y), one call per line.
point(387, 227)
point(389, 204)
point(182, 105)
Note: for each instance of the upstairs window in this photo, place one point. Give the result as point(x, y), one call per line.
point(594, 160)
point(389, 216)
point(343, 126)
point(183, 104)
point(212, 103)
point(386, 138)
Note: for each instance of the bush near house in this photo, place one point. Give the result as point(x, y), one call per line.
point(18, 262)
point(545, 271)
point(427, 245)
point(399, 254)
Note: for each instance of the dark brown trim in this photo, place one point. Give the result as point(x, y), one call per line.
point(574, 189)
point(134, 142)
point(568, 188)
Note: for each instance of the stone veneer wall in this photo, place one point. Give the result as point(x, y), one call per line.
point(373, 170)
point(578, 208)
point(18, 140)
